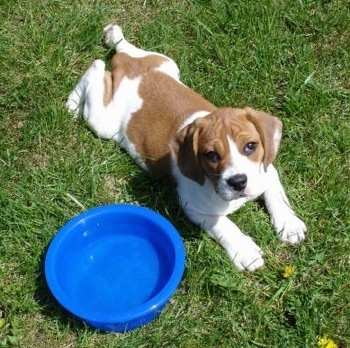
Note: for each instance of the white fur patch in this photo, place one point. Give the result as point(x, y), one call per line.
point(110, 121)
point(240, 164)
point(170, 68)
point(193, 117)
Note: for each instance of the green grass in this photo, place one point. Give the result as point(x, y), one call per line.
point(290, 58)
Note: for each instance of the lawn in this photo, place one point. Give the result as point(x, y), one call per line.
point(289, 58)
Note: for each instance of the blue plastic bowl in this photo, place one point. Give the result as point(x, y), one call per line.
point(115, 266)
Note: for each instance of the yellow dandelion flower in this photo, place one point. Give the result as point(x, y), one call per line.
point(288, 271)
point(325, 342)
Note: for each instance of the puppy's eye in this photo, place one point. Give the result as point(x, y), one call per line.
point(250, 148)
point(213, 156)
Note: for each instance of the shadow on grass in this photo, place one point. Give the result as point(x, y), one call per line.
point(160, 194)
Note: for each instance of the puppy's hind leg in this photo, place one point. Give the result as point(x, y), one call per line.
point(91, 97)
point(78, 97)
point(75, 102)
point(114, 37)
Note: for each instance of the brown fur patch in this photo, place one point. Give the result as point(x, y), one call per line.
point(166, 105)
point(270, 130)
point(125, 66)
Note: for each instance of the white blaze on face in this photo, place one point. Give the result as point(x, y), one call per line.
point(240, 164)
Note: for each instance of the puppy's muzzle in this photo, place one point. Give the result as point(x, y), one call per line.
point(238, 182)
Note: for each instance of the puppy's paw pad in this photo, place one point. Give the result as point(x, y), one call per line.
point(247, 256)
point(113, 34)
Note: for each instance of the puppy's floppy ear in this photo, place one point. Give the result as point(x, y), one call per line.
point(270, 130)
point(184, 151)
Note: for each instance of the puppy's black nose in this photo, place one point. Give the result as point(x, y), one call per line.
point(238, 182)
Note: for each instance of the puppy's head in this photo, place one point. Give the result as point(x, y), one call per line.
point(229, 147)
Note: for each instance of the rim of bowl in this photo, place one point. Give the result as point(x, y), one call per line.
point(124, 315)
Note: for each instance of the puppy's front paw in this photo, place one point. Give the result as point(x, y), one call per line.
point(246, 255)
point(113, 34)
point(290, 229)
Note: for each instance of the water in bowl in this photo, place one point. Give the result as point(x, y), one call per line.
point(116, 273)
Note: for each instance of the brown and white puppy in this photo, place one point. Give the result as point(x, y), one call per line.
point(220, 158)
